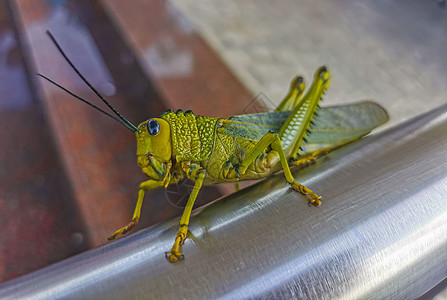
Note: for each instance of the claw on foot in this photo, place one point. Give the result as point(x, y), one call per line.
point(123, 230)
point(315, 201)
point(172, 257)
point(176, 252)
point(314, 198)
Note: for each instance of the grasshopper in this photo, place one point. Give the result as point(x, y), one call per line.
point(245, 147)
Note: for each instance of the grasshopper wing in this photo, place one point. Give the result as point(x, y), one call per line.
point(341, 124)
point(253, 126)
point(333, 126)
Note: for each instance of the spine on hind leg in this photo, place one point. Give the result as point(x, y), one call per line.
point(297, 125)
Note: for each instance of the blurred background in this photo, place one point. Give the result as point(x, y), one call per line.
point(68, 175)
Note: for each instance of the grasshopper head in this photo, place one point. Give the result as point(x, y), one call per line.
point(154, 147)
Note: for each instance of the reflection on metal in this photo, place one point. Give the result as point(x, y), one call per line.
point(380, 233)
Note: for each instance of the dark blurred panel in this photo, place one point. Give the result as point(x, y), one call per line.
point(39, 220)
point(69, 176)
point(187, 71)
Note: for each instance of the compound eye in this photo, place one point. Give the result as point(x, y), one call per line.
point(153, 127)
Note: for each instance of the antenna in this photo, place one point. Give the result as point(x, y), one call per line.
point(121, 119)
point(79, 98)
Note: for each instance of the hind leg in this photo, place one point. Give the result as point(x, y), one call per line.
point(295, 129)
point(309, 158)
point(294, 95)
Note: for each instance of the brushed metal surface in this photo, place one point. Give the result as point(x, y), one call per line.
point(389, 51)
point(380, 233)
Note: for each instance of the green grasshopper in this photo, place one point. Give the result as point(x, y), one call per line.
point(244, 147)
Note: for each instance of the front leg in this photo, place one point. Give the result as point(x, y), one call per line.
point(198, 174)
point(144, 186)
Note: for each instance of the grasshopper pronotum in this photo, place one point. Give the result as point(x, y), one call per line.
point(244, 147)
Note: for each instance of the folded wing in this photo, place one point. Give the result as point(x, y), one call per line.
point(333, 126)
